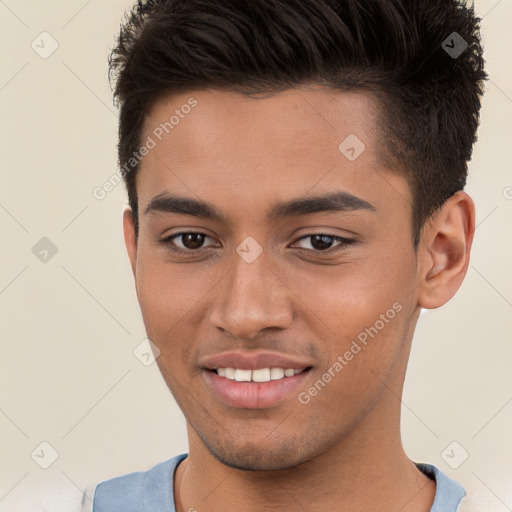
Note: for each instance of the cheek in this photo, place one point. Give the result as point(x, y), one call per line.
point(361, 332)
point(358, 312)
point(165, 294)
point(348, 298)
point(172, 297)
point(167, 305)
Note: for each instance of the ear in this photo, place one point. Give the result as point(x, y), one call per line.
point(443, 253)
point(130, 240)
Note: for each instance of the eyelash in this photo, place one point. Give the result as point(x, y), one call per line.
point(344, 242)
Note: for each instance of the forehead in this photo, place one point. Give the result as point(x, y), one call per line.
point(211, 142)
point(220, 120)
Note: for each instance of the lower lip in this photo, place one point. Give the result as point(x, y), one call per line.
point(254, 395)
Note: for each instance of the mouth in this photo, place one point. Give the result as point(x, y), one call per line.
point(259, 374)
point(255, 379)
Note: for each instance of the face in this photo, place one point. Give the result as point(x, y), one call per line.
point(275, 269)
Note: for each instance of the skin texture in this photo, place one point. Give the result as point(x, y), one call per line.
point(342, 450)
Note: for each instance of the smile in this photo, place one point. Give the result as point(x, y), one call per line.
point(257, 375)
point(260, 388)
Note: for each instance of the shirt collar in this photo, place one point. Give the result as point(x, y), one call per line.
point(448, 491)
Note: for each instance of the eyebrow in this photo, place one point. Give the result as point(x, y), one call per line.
point(333, 202)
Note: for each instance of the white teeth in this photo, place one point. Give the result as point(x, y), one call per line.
point(259, 375)
point(243, 375)
point(229, 373)
point(276, 373)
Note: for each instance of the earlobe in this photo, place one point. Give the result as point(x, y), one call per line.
point(130, 239)
point(444, 251)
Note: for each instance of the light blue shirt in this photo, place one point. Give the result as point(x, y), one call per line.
point(152, 490)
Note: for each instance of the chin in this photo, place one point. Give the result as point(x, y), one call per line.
point(255, 457)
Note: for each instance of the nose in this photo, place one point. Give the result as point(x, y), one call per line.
point(251, 298)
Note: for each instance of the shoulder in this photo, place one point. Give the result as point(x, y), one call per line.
point(141, 490)
point(449, 493)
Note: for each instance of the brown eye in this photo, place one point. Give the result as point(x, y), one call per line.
point(192, 240)
point(186, 242)
point(321, 242)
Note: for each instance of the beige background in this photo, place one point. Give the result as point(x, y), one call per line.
point(69, 326)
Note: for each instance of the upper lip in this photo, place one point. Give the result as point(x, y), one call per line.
point(253, 360)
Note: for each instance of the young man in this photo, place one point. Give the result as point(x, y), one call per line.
point(295, 171)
